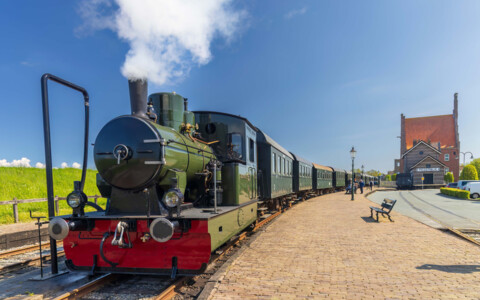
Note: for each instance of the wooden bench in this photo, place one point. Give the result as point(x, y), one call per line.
point(387, 206)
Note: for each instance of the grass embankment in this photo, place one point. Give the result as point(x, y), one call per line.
point(29, 183)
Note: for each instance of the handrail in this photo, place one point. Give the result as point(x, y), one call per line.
point(34, 200)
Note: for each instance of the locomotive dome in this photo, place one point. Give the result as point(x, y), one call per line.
point(125, 153)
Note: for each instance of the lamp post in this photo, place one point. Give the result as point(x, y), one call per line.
point(471, 156)
point(352, 154)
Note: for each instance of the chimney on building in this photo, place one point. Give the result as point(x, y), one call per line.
point(403, 142)
point(455, 120)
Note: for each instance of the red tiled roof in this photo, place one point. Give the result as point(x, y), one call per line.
point(436, 129)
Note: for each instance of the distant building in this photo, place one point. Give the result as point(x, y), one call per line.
point(429, 147)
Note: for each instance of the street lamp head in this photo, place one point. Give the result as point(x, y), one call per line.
point(353, 152)
point(471, 157)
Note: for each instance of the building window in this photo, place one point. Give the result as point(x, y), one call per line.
point(421, 152)
point(447, 157)
point(398, 164)
point(428, 166)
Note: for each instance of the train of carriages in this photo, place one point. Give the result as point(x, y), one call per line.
point(179, 184)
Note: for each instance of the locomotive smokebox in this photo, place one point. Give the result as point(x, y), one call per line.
point(138, 97)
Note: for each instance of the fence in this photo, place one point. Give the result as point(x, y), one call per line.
point(16, 202)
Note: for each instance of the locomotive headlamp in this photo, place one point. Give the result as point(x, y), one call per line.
point(75, 199)
point(173, 197)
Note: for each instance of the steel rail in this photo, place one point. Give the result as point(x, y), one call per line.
point(171, 291)
point(88, 287)
point(26, 263)
point(23, 250)
point(448, 227)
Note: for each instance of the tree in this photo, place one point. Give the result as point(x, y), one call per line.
point(374, 173)
point(448, 177)
point(476, 164)
point(469, 172)
point(388, 178)
point(394, 177)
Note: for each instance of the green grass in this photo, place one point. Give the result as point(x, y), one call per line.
point(29, 183)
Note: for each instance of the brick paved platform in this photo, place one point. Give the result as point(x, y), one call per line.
point(328, 247)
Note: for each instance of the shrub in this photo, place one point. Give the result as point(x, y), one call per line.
point(394, 177)
point(455, 193)
point(388, 178)
point(469, 173)
point(448, 177)
point(462, 194)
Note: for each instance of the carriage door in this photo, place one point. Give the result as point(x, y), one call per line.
point(252, 161)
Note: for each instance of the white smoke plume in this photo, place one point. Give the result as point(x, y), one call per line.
point(166, 37)
point(39, 165)
point(23, 162)
point(63, 165)
point(76, 165)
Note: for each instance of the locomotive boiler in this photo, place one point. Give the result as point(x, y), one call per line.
point(173, 194)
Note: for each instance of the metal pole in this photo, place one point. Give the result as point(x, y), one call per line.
point(215, 187)
point(48, 170)
point(48, 151)
point(353, 176)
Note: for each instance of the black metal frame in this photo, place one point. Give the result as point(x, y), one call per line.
point(48, 150)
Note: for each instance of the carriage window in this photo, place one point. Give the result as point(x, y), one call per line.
point(235, 146)
point(278, 165)
point(284, 166)
point(251, 150)
point(274, 160)
point(281, 165)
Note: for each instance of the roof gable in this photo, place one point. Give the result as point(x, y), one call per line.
point(435, 129)
point(421, 143)
point(428, 157)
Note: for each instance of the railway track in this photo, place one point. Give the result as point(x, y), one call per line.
point(169, 287)
point(469, 235)
point(16, 259)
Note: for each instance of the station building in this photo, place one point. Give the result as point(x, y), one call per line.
point(430, 147)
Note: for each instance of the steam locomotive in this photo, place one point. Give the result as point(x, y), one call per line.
point(179, 184)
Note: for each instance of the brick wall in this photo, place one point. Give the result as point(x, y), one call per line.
point(453, 163)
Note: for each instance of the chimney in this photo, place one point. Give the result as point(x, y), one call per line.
point(455, 119)
point(403, 142)
point(138, 97)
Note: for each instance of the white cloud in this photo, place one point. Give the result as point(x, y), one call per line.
point(39, 165)
point(166, 38)
point(63, 165)
point(23, 162)
point(295, 12)
point(76, 165)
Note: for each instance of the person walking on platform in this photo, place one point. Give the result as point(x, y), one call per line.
point(371, 185)
point(361, 184)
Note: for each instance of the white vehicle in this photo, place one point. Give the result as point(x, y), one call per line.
point(474, 189)
point(461, 183)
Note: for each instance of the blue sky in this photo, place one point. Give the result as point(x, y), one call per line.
point(317, 76)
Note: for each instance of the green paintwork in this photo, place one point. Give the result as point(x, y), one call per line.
point(339, 179)
point(302, 176)
point(232, 223)
point(183, 155)
point(324, 179)
point(239, 184)
point(169, 108)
